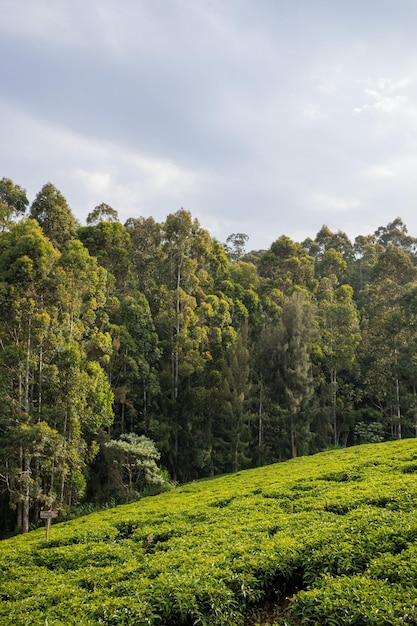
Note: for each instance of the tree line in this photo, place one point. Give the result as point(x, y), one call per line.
point(125, 348)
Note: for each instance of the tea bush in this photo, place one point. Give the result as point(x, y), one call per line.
point(357, 601)
point(331, 537)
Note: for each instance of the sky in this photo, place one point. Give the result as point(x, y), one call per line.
point(263, 117)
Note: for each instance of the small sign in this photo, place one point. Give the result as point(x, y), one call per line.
point(48, 514)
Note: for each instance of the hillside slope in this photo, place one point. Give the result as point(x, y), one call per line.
point(332, 537)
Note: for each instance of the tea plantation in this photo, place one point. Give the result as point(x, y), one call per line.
point(324, 540)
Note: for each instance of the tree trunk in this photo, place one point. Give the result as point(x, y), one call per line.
point(40, 382)
point(27, 372)
point(19, 515)
point(397, 396)
point(293, 438)
point(260, 420)
point(26, 495)
point(333, 384)
point(63, 476)
point(236, 455)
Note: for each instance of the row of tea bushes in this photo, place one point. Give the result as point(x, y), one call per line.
point(332, 537)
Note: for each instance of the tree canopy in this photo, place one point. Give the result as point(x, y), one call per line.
point(154, 336)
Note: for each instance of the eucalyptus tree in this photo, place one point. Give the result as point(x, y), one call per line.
point(147, 258)
point(205, 395)
point(396, 234)
point(338, 355)
point(27, 259)
point(294, 380)
point(232, 422)
point(13, 202)
point(327, 241)
point(287, 347)
point(50, 209)
point(102, 213)
point(408, 360)
point(367, 251)
point(235, 246)
point(386, 334)
point(110, 243)
point(287, 266)
point(269, 443)
point(55, 395)
point(199, 317)
point(133, 364)
point(177, 322)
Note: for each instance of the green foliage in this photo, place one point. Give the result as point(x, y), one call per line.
point(55, 398)
point(225, 360)
point(13, 202)
point(109, 242)
point(288, 265)
point(132, 465)
point(334, 534)
point(369, 433)
point(50, 209)
point(235, 246)
point(102, 212)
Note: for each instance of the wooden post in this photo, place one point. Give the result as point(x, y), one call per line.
point(47, 516)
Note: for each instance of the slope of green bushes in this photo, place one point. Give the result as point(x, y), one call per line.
point(332, 538)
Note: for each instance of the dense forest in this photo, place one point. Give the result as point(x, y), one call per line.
point(127, 348)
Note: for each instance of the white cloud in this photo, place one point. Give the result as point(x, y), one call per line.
point(334, 203)
point(386, 105)
point(160, 174)
point(380, 171)
point(95, 183)
point(133, 182)
point(313, 113)
point(256, 117)
point(382, 92)
point(102, 171)
point(389, 85)
point(373, 94)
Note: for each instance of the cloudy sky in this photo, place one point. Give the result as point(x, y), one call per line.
point(266, 117)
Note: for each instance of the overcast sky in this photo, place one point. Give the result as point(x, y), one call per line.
point(266, 117)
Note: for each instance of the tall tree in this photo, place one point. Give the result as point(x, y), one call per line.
point(295, 373)
point(233, 415)
point(288, 266)
point(133, 364)
point(366, 257)
point(235, 246)
point(110, 243)
point(102, 213)
point(396, 234)
point(339, 341)
point(26, 262)
point(147, 257)
point(386, 334)
point(13, 202)
point(287, 348)
point(56, 398)
point(51, 211)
